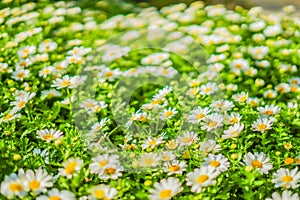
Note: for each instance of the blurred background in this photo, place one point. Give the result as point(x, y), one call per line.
point(268, 4)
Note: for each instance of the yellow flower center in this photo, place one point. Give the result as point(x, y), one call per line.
point(215, 163)
point(20, 75)
point(268, 112)
point(48, 136)
point(168, 113)
point(149, 161)
point(102, 163)
point(200, 116)
point(21, 104)
point(207, 90)
point(234, 120)
point(108, 74)
point(257, 164)
point(152, 142)
point(261, 127)
point(164, 194)
point(238, 66)
point(70, 168)
point(174, 168)
point(212, 124)
point(287, 178)
point(202, 178)
point(109, 171)
point(65, 83)
point(15, 187)
point(8, 116)
point(90, 105)
point(99, 193)
point(54, 198)
point(35, 184)
point(187, 139)
point(243, 98)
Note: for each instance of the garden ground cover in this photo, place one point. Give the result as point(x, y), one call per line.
point(106, 100)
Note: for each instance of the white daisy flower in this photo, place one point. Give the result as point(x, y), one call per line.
point(70, 166)
point(269, 110)
point(49, 134)
point(38, 180)
point(212, 122)
point(13, 186)
point(208, 89)
point(55, 194)
point(286, 195)
point(168, 113)
point(102, 192)
point(258, 161)
point(201, 177)
point(101, 162)
point(151, 142)
point(165, 189)
point(262, 124)
point(187, 139)
point(20, 74)
point(286, 178)
point(149, 159)
point(174, 167)
point(241, 97)
point(219, 162)
point(209, 146)
point(198, 114)
point(233, 131)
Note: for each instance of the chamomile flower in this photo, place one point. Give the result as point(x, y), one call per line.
point(38, 180)
point(102, 162)
point(149, 159)
point(239, 65)
point(99, 125)
point(21, 101)
point(20, 74)
point(49, 134)
point(111, 172)
point(201, 177)
point(219, 162)
point(174, 167)
point(209, 146)
point(165, 189)
point(187, 139)
point(286, 195)
point(240, 97)
point(233, 118)
point(168, 113)
point(70, 166)
point(46, 71)
point(198, 114)
point(269, 110)
point(151, 142)
point(50, 93)
point(286, 178)
point(55, 194)
point(233, 131)
point(167, 156)
point(212, 122)
point(222, 105)
point(258, 161)
point(270, 94)
point(10, 115)
point(258, 52)
point(26, 51)
point(208, 88)
point(102, 191)
point(262, 124)
point(65, 82)
point(13, 186)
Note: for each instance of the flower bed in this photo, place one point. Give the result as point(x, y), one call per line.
point(103, 100)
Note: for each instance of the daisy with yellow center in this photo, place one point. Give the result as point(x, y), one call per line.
point(49, 134)
point(286, 195)
point(152, 142)
point(201, 177)
point(70, 167)
point(104, 192)
point(165, 189)
point(198, 115)
point(174, 167)
point(38, 181)
point(286, 178)
point(212, 122)
point(168, 113)
point(102, 162)
point(149, 159)
point(258, 161)
point(187, 139)
point(262, 124)
point(13, 186)
point(55, 194)
point(219, 162)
